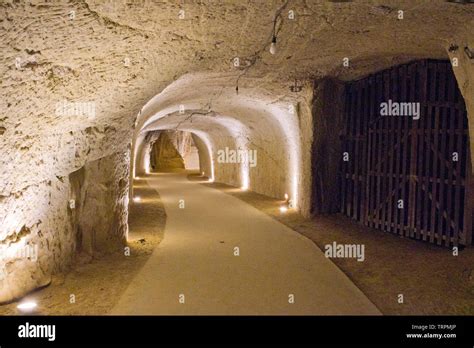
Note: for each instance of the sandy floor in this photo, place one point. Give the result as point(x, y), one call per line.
point(431, 279)
point(197, 260)
point(99, 283)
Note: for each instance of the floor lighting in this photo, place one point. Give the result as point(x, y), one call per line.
point(273, 45)
point(27, 306)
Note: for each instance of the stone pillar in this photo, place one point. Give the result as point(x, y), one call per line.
point(328, 112)
point(101, 206)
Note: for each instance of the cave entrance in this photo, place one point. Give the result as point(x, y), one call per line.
point(174, 150)
point(406, 166)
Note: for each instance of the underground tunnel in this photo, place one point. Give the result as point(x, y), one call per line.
point(201, 157)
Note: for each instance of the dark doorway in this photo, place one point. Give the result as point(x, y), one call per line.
point(408, 174)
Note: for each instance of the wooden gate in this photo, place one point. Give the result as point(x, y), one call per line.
point(402, 175)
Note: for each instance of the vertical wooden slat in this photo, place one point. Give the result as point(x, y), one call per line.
point(427, 154)
point(355, 158)
point(364, 152)
point(413, 151)
point(344, 144)
point(442, 218)
point(367, 162)
point(396, 158)
point(416, 219)
point(382, 166)
point(434, 190)
point(469, 199)
point(404, 156)
point(450, 186)
point(350, 152)
point(460, 175)
point(378, 136)
point(392, 136)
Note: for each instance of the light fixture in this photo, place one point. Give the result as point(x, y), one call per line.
point(273, 45)
point(137, 199)
point(27, 306)
point(283, 209)
point(286, 196)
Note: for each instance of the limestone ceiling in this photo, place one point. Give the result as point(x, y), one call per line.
point(119, 54)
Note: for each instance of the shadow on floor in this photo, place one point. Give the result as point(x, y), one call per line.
point(431, 279)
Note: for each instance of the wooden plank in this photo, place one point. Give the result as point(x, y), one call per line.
point(453, 189)
point(412, 203)
point(391, 155)
point(366, 115)
point(382, 167)
point(459, 236)
point(426, 153)
point(434, 190)
point(350, 139)
point(442, 169)
point(343, 165)
point(353, 154)
point(377, 97)
point(417, 223)
point(450, 189)
point(469, 200)
point(457, 187)
point(404, 154)
point(367, 162)
point(355, 159)
point(397, 159)
point(378, 145)
point(349, 151)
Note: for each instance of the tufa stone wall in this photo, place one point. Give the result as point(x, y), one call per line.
point(85, 211)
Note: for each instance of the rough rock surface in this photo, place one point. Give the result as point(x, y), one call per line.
point(86, 212)
point(165, 155)
point(129, 65)
point(102, 204)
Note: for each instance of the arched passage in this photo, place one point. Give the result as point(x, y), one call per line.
point(234, 122)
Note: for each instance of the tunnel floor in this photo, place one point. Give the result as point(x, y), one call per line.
point(194, 270)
